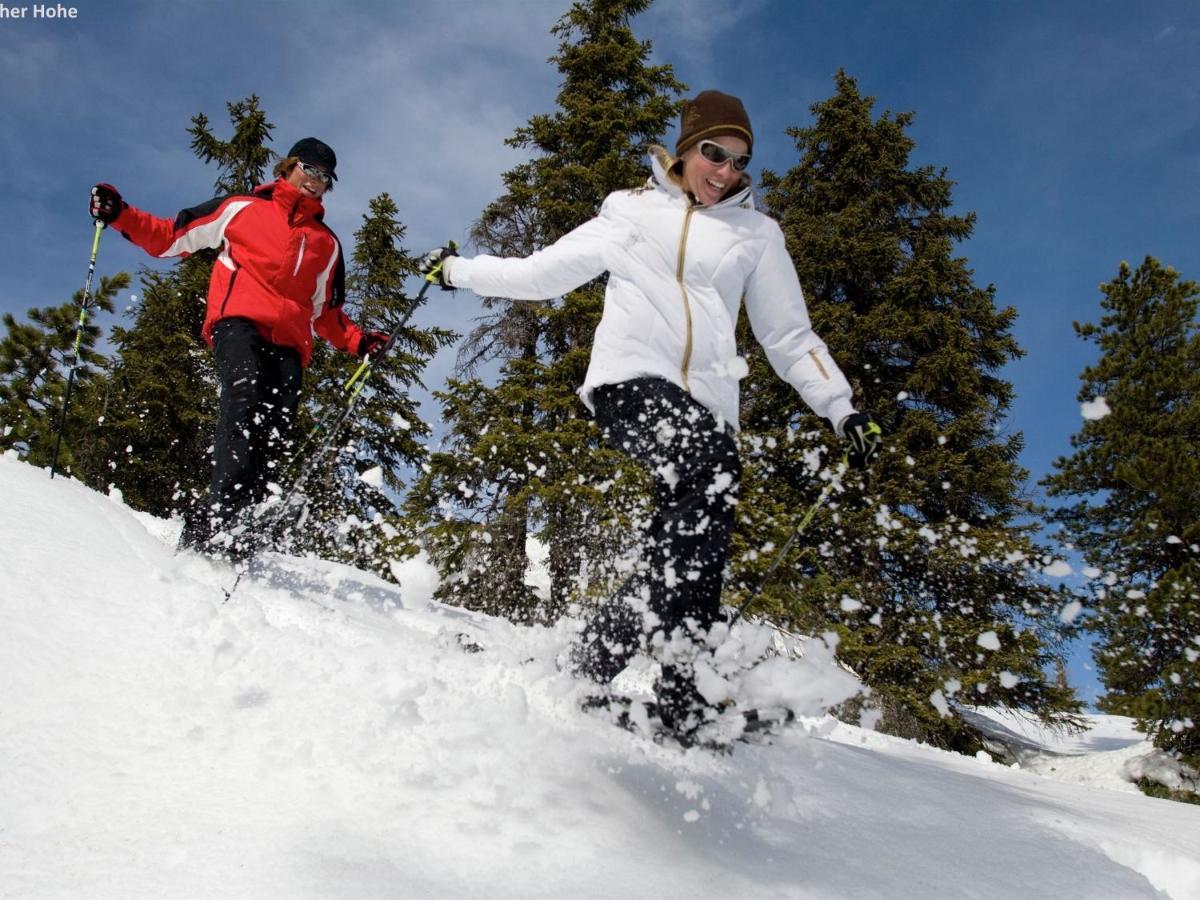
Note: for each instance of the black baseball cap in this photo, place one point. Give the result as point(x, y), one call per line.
point(315, 153)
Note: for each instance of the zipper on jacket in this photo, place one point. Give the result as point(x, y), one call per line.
point(228, 292)
point(687, 305)
point(300, 255)
point(820, 366)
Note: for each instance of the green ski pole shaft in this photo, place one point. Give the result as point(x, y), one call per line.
point(782, 553)
point(356, 382)
point(83, 311)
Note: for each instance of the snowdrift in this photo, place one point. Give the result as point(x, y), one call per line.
point(324, 734)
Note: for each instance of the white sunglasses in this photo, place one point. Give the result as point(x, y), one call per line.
point(717, 155)
point(313, 172)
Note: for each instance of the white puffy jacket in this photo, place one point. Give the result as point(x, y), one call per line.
point(678, 273)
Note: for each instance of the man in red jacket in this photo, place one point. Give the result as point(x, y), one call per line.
point(280, 275)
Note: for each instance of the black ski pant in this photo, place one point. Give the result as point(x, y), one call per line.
point(260, 387)
point(696, 471)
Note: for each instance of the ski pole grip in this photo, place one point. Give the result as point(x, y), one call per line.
point(432, 276)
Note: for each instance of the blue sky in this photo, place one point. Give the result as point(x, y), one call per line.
point(1072, 129)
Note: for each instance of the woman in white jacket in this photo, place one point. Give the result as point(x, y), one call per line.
point(682, 252)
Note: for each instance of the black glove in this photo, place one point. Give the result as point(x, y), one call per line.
point(106, 203)
point(865, 437)
point(432, 265)
point(371, 343)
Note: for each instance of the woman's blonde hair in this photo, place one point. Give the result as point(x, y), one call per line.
point(284, 167)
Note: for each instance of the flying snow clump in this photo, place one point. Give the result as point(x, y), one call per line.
point(1095, 409)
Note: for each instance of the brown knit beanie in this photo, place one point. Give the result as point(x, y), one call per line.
point(711, 114)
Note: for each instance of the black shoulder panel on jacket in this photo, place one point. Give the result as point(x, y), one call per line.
point(187, 216)
point(338, 295)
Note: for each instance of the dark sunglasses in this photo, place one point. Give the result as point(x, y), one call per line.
point(314, 172)
point(718, 155)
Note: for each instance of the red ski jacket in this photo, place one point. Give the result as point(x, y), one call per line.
point(280, 265)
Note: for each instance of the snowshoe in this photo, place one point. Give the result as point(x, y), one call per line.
point(727, 726)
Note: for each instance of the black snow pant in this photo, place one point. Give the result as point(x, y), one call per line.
point(260, 387)
point(696, 471)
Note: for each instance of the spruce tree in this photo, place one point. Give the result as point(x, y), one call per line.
point(162, 387)
point(351, 518)
point(1134, 476)
point(35, 364)
point(522, 458)
point(922, 568)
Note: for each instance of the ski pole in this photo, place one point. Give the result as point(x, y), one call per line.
point(348, 398)
point(339, 413)
point(74, 357)
point(804, 522)
point(351, 392)
point(355, 383)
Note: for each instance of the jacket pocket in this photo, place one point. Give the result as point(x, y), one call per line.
point(303, 260)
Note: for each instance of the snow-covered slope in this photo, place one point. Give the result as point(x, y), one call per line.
point(325, 735)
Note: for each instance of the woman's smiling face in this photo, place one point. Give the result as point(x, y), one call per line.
point(709, 182)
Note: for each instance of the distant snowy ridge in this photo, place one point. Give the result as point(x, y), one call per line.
point(324, 735)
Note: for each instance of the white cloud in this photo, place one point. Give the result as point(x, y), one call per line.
point(420, 105)
point(699, 29)
point(26, 63)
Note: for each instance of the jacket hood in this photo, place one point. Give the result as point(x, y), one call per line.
point(668, 176)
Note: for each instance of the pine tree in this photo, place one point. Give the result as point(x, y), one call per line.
point(522, 459)
point(162, 387)
point(350, 518)
point(1136, 478)
point(922, 569)
point(35, 363)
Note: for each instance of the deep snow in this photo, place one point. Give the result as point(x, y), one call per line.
point(325, 735)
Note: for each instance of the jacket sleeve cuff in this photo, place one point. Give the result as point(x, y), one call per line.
point(839, 417)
